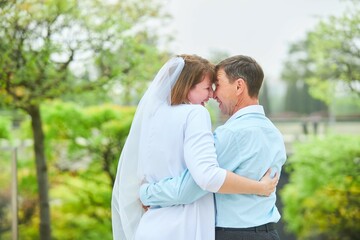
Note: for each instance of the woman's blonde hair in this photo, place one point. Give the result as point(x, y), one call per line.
point(194, 71)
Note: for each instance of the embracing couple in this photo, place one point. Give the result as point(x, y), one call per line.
point(173, 164)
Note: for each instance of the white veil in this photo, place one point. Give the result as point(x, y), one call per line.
point(126, 207)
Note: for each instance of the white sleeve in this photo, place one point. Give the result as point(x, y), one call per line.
point(199, 151)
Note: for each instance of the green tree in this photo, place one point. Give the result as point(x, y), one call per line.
point(334, 51)
point(328, 59)
point(51, 48)
point(295, 72)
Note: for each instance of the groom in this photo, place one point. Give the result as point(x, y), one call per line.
point(247, 144)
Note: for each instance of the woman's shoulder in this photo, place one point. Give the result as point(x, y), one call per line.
point(195, 113)
point(192, 109)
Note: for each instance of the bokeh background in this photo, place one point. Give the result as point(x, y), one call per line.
point(72, 73)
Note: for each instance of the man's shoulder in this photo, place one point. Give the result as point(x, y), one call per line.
point(247, 124)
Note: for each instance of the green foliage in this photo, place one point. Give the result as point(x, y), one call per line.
point(82, 194)
point(63, 120)
point(323, 196)
point(66, 48)
point(298, 99)
point(334, 51)
point(214, 111)
point(327, 60)
point(83, 146)
point(132, 67)
point(60, 48)
point(81, 205)
point(96, 131)
point(296, 70)
point(4, 128)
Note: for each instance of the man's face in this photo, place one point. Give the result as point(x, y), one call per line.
point(225, 93)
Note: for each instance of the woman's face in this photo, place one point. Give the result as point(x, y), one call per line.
point(201, 92)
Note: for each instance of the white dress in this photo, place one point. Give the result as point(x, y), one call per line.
point(174, 139)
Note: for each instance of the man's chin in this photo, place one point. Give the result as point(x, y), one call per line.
point(220, 107)
point(222, 110)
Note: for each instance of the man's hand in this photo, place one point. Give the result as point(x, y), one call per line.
point(269, 184)
point(143, 206)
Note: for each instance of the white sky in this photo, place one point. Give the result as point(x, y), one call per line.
point(262, 29)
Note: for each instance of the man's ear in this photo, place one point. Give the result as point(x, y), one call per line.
point(240, 85)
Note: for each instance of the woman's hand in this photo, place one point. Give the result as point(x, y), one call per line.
point(269, 184)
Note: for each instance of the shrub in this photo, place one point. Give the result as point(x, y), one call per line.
point(322, 198)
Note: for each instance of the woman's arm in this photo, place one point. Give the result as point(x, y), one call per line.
point(238, 184)
point(201, 160)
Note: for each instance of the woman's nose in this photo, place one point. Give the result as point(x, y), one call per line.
point(211, 93)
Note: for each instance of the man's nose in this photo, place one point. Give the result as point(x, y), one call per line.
point(214, 94)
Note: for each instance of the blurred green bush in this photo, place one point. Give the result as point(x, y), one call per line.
point(322, 198)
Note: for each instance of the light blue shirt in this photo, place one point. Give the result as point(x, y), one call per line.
point(247, 144)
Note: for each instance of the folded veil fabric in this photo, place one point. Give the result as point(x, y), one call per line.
point(126, 207)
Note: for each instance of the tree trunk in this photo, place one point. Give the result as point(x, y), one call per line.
point(41, 172)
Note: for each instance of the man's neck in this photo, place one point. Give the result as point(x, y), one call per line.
point(242, 103)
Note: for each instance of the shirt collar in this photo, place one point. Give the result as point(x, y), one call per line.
point(246, 110)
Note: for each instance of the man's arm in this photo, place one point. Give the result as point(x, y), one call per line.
point(184, 190)
point(171, 191)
